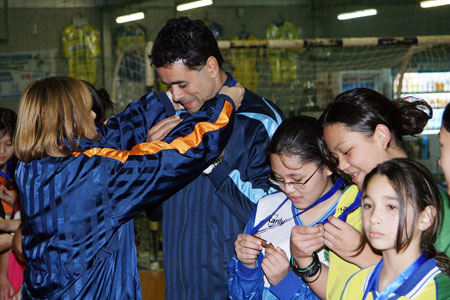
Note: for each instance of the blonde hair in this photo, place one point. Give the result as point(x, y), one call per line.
point(54, 112)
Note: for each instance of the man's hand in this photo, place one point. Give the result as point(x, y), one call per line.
point(162, 128)
point(247, 249)
point(236, 93)
point(275, 265)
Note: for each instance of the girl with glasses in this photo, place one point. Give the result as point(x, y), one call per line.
point(308, 194)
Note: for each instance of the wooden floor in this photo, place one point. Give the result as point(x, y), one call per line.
point(153, 284)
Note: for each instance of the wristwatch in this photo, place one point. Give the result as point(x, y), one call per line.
point(211, 167)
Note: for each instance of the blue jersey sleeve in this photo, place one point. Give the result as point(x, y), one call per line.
point(151, 172)
point(293, 287)
point(243, 282)
point(241, 180)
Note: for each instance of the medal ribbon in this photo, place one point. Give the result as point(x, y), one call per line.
point(349, 209)
point(372, 285)
point(8, 171)
point(326, 196)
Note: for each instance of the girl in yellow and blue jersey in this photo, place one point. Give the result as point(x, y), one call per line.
point(402, 210)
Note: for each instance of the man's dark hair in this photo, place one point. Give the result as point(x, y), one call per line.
point(189, 41)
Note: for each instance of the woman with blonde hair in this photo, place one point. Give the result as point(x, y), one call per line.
point(79, 195)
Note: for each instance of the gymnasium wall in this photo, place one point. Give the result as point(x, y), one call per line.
point(39, 28)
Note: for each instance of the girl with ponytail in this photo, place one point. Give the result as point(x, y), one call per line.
point(360, 129)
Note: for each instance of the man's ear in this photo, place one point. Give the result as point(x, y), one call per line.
point(426, 218)
point(212, 67)
point(382, 135)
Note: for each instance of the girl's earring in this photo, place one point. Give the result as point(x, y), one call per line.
point(382, 143)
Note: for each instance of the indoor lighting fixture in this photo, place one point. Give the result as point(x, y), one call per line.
point(194, 4)
point(130, 17)
point(433, 3)
point(357, 14)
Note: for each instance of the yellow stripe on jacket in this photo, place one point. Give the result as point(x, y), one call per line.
point(341, 270)
point(181, 144)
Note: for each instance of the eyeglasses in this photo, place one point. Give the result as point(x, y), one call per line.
point(296, 183)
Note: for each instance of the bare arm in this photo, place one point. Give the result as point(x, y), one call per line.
point(9, 225)
point(5, 242)
point(6, 289)
point(17, 245)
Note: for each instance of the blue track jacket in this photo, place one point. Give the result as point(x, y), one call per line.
point(77, 211)
point(201, 221)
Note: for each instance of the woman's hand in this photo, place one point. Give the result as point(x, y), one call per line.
point(247, 249)
point(275, 265)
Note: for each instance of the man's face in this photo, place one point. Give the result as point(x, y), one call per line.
point(191, 88)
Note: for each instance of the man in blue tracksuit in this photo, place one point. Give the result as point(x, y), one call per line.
point(201, 221)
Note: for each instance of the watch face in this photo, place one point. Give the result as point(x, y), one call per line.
point(207, 170)
point(211, 167)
